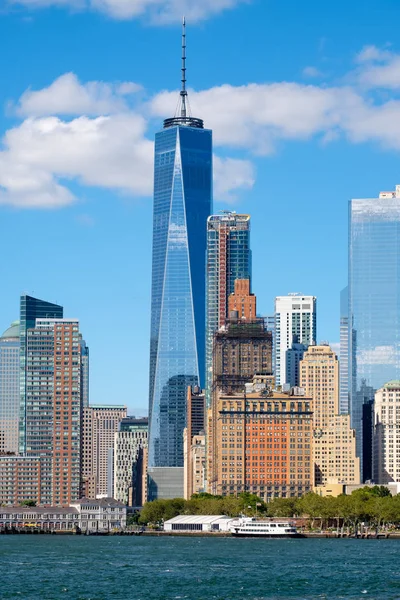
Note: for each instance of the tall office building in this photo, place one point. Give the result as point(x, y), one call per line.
point(9, 389)
point(228, 259)
point(182, 204)
point(53, 406)
point(30, 310)
point(295, 315)
point(194, 442)
point(129, 442)
point(374, 299)
point(100, 423)
point(334, 444)
point(386, 434)
point(249, 436)
point(344, 352)
point(293, 357)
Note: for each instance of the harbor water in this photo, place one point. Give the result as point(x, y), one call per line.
point(175, 568)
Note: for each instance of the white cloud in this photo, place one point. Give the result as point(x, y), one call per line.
point(380, 355)
point(378, 68)
point(372, 54)
point(230, 176)
point(67, 96)
point(159, 11)
point(312, 72)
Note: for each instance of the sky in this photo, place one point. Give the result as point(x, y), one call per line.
point(303, 99)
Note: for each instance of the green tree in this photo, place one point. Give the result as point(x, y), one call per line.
point(28, 503)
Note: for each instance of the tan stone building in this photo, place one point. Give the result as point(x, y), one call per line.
point(100, 423)
point(194, 443)
point(386, 434)
point(334, 441)
point(260, 441)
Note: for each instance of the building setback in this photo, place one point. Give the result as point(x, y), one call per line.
point(334, 446)
point(194, 442)
point(295, 321)
point(386, 434)
point(260, 441)
point(9, 389)
point(100, 423)
point(182, 204)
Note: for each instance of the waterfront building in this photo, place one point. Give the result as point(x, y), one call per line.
point(260, 441)
point(21, 479)
point(293, 357)
point(100, 423)
point(344, 352)
point(228, 259)
point(129, 442)
point(334, 446)
point(194, 442)
point(53, 406)
point(374, 299)
point(386, 434)
point(295, 315)
point(196, 523)
point(182, 204)
point(30, 310)
point(87, 515)
point(9, 389)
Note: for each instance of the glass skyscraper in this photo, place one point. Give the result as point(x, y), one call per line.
point(374, 300)
point(9, 389)
point(182, 203)
point(30, 310)
point(228, 259)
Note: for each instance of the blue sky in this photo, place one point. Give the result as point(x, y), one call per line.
point(303, 98)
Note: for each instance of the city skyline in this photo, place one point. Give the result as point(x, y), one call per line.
point(74, 235)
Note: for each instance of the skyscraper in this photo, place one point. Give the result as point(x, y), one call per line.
point(386, 434)
point(30, 310)
point(374, 299)
point(182, 204)
point(228, 259)
point(53, 406)
point(295, 315)
point(344, 351)
point(9, 389)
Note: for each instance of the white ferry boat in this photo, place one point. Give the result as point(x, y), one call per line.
point(251, 527)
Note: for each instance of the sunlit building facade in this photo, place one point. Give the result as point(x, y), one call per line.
point(374, 299)
point(9, 389)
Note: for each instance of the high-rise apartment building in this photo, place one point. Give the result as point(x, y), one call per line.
point(344, 352)
point(334, 447)
point(129, 442)
point(21, 479)
point(260, 441)
point(242, 301)
point(9, 389)
point(182, 204)
point(53, 407)
point(374, 299)
point(295, 315)
point(100, 423)
point(228, 259)
point(386, 434)
point(30, 310)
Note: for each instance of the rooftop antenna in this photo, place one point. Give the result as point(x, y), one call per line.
point(183, 90)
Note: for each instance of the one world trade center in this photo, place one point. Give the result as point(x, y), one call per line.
point(182, 203)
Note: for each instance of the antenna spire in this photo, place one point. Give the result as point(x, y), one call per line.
point(183, 90)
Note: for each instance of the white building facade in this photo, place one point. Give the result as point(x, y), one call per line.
point(295, 321)
point(386, 434)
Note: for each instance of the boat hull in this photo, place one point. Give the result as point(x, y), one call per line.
point(268, 535)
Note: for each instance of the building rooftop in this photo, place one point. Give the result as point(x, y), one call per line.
point(394, 384)
point(200, 519)
point(12, 331)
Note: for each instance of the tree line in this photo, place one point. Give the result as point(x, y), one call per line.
point(371, 505)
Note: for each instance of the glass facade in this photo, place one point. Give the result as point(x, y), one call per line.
point(182, 203)
point(9, 389)
point(30, 309)
point(228, 259)
point(374, 300)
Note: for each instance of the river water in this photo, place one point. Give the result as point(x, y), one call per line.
point(174, 568)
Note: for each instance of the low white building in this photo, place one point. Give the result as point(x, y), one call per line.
point(194, 523)
point(88, 515)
